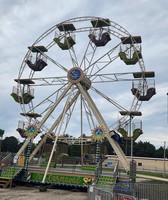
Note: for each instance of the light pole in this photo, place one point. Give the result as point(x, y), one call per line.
point(81, 132)
point(167, 108)
point(164, 155)
point(131, 114)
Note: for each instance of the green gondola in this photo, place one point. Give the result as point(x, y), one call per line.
point(130, 61)
point(27, 97)
point(67, 44)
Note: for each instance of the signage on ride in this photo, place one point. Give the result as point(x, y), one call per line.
point(31, 131)
point(98, 133)
point(62, 179)
point(124, 197)
point(75, 75)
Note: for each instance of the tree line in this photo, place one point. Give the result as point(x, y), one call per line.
point(140, 149)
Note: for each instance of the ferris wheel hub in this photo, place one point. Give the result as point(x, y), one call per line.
point(76, 75)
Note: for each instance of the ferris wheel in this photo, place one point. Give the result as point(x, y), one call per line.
point(85, 75)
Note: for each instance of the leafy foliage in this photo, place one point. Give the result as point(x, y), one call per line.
point(140, 149)
point(10, 144)
point(145, 149)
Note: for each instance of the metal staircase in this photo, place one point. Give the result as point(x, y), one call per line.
point(5, 182)
point(6, 158)
point(7, 176)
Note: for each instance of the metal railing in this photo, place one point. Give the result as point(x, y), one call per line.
point(141, 191)
point(95, 193)
point(6, 159)
point(151, 191)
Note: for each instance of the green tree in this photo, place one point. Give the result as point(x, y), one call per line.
point(144, 149)
point(159, 152)
point(167, 153)
point(1, 132)
point(74, 150)
point(10, 144)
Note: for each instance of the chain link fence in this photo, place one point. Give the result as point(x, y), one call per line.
point(95, 193)
point(141, 191)
point(151, 191)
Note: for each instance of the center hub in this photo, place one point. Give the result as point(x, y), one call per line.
point(76, 75)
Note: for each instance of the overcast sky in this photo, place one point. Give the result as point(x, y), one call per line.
point(23, 21)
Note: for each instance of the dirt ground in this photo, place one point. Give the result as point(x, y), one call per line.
point(33, 193)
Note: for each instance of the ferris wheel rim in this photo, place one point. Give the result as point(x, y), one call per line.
point(118, 27)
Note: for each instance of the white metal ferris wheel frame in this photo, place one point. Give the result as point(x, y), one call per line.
point(104, 60)
point(118, 32)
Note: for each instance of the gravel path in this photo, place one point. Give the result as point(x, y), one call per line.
point(29, 193)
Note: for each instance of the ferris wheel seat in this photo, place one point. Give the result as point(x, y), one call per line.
point(25, 81)
point(124, 133)
point(67, 44)
point(131, 40)
point(148, 74)
point(31, 114)
point(37, 49)
point(136, 133)
point(66, 27)
point(105, 38)
point(37, 66)
point(100, 23)
point(25, 99)
point(150, 92)
point(130, 61)
point(22, 132)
